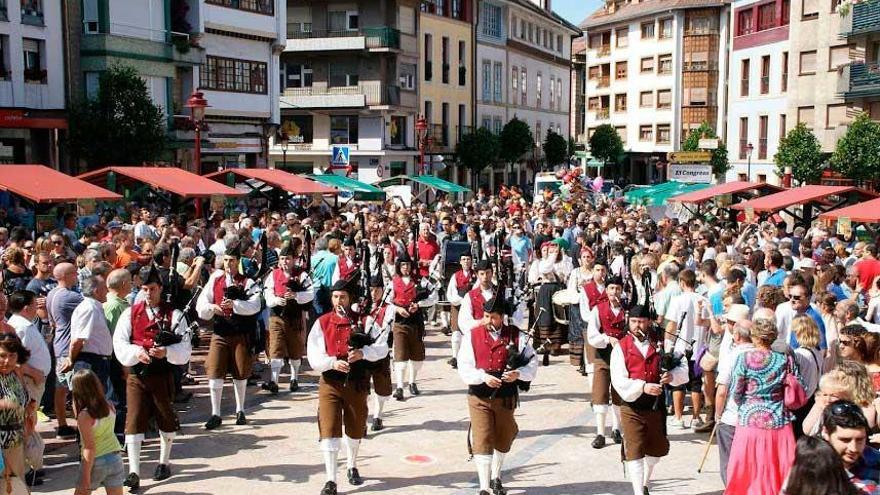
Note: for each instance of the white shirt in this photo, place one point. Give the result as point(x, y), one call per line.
point(205, 303)
point(686, 304)
point(471, 375)
point(320, 361)
point(89, 323)
point(810, 363)
point(127, 353)
point(631, 389)
point(452, 292)
point(301, 297)
point(725, 372)
point(466, 321)
point(584, 302)
point(33, 341)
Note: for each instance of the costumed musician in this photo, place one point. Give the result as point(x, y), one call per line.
point(381, 317)
point(605, 327)
point(548, 273)
point(471, 313)
point(409, 326)
point(458, 288)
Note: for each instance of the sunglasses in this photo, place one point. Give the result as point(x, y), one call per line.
point(793, 297)
point(845, 343)
point(58, 243)
point(839, 408)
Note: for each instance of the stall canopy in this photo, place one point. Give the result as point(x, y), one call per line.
point(176, 181)
point(658, 195)
point(360, 190)
point(867, 212)
point(732, 188)
point(427, 180)
point(823, 196)
point(41, 184)
point(276, 178)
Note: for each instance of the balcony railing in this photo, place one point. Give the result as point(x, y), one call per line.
point(439, 135)
point(265, 7)
point(859, 79)
point(382, 37)
point(703, 65)
point(603, 50)
point(863, 17)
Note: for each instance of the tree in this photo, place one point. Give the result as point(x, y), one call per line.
point(120, 126)
point(857, 155)
point(555, 149)
point(478, 149)
point(605, 144)
point(801, 151)
point(719, 162)
point(516, 139)
point(572, 147)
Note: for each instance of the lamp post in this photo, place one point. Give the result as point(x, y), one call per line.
point(421, 132)
point(284, 142)
point(749, 149)
point(197, 105)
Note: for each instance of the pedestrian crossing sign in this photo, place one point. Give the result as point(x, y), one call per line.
point(340, 156)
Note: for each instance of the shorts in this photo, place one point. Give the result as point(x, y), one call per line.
point(380, 375)
point(342, 404)
point(150, 397)
point(62, 379)
point(287, 337)
point(231, 354)
point(694, 384)
point(408, 343)
point(108, 471)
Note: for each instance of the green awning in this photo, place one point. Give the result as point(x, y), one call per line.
point(361, 191)
point(427, 180)
point(660, 197)
point(642, 192)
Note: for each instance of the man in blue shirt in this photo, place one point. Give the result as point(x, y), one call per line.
point(323, 266)
point(520, 245)
point(774, 268)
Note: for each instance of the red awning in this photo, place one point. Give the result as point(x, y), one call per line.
point(174, 180)
point(277, 178)
point(42, 184)
point(799, 196)
point(703, 195)
point(867, 212)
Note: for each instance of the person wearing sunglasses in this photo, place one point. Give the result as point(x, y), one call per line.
point(799, 296)
point(845, 427)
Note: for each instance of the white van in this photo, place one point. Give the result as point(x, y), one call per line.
point(543, 181)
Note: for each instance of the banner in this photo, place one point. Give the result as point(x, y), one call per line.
point(844, 226)
point(696, 174)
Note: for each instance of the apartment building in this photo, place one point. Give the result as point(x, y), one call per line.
point(859, 81)
point(759, 88)
point(32, 116)
point(349, 71)
point(523, 64)
point(578, 90)
point(655, 70)
point(445, 87)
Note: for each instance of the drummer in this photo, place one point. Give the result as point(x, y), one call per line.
point(579, 277)
point(459, 285)
point(549, 273)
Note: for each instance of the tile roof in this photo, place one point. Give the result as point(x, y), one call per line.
point(629, 11)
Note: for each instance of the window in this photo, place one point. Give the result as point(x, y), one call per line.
point(256, 6)
point(397, 130)
point(784, 72)
point(647, 65)
point(429, 112)
point(744, 78)
point(353, 21)
point(805, 116)
point(663, 133)
point(786, 12)
point(444, 123)
point(513, 25)
point(836, 116)
point(664, 64)
point(593, 103)
point(646, 99)
point(490, 19)
point(539, 137)
point(343, 129)
point(838, 57)
point(621, 38)
point(299, 128)
point(552, 95)
point(810, 9)
point(524, 87)
point(298, 76)
point(559, 43)
point(620, 70)
point(486, 123)
point(514, 85)
point(343, 74)
point(745, 22)
point(33, 63)
point(233, 75)
point(782, 127)
point(444, 55)
point(462, 63)
point(646, 133)
point(767, 16)
point(595, 41)
point(429, 57)
point(621, 131)
point(531, 32)
point(4, 64)
point(664, 99)
point(538, 90)
point(666, 28)
point(743, 138)
point(462, 121)
point(408, 76)
point(559, 94)
point(522, 29)
point(487, 81)
point(765, 74)
point(762, 137)
point(620, 102)
point(499, 77)
point(808, 62)
point(91, 23)
point(647, 30)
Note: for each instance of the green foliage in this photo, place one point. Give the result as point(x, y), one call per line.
point(605, 144)
point(478, 149)
point(720, 163)
point(801, 151)
point(120, 126)
point(516, 139)
point(857, 155)
point(572, 147)
point(555, 149)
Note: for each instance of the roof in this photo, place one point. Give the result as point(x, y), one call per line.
point(528, 4)
point(578, 46)
point(629, 11)
point(704, 195)
point(799, 195)
point(42, 184)
point(867, 212)
point(277, 178)
point(659, 194)
point(428, 180)
point(361, 191)
point(174, 180)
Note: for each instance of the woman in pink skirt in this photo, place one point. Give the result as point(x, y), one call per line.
point(763, 445)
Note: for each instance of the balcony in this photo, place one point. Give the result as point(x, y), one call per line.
point(862, 18)
point(365, 94)
point(859, 79)
point(603, 50)
point(374, 39)
point(699, 66)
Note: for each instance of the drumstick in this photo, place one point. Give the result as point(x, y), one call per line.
point(708, 445)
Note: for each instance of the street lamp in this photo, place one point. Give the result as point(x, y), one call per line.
point(421, 132)
point(749, 149)
point(197, 105)
point(283, 141)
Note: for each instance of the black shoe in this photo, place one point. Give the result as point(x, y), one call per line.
point(182, 397)
point(294, 385)
point(453, 362)
point(497, 488)
point(354, 477)
point(377, 425)
point(413, 389)
point(270, 387)
point(484, 492)
point(645, 491)
point(163, 472)
point(618, 438)
point(214, 422)
point(41, 473)
point(598, 442)
point(32, 478)
point(240, 418)
point(133, 482)
point(329, 488)
point(66, 432)
point(398, 394)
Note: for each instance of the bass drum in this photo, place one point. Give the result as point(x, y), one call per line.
point(561, 301)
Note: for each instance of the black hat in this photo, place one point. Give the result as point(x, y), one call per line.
point(376, 281)
point(483, 265)
point(347, 284)
point(233, 250)
point(349, 241)
point(640, 311)
point(150, 275)
point(497, 304)
point(614, 280)
point(404, 257)
point(286, 250)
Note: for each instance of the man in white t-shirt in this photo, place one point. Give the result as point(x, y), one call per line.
point(726, 417)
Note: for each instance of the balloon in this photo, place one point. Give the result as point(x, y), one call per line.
point(560, 174)
point(597, 184)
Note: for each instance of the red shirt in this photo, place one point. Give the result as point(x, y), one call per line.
point(868, 270)
point(427, 251)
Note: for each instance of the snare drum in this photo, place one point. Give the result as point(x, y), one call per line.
point(561, 301)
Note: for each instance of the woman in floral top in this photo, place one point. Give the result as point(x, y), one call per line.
point(763, 445)
point(17, 411)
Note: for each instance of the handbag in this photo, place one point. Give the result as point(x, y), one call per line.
point(794, 397)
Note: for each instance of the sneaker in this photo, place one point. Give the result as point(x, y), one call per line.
point(240, 418)
point(66, 432)
point(133, 482)
point(213, 422)
point(697, 423)
point(163, 472)
point(677, 422)
point(294, 386)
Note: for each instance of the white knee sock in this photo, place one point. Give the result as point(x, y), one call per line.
point(166, 438)
point(378, 405)
point(330, 449)
point(456, 343)
point(399, 368)
point(484, 469)
point(414, 367)
point(133, 446)
point(650, 462)
point(351, 449)
point(240, 388)
point(615, 417)
point(600, 410)
point(294, 369)
point(276, 365)
point(497, 462)
point(636, 471)
point(215, 387)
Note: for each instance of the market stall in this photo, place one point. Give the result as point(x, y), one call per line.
point(867, 214)
point(723, 196)
point(276, 186)
point(410, 187)
point(803, 203)
point(349, 188)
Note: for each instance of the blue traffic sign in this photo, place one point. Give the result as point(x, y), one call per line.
point(340, 155)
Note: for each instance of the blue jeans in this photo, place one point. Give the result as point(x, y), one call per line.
point(102, 367)
point(322, 301)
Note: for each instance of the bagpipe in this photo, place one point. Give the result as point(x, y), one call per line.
point(258, 275)
point(517, 358)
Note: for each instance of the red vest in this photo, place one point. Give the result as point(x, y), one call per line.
point(220, 287)
point(491, 355)
point(640, 367)
point(463, 282)
point(280, 278)
point(593, 294)
point(144, 330)
point(404, 293)
point(477, 302)
point(336, 330)
point(612, 325)
point(346, 267)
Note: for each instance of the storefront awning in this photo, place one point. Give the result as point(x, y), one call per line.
point(274, 177)
point(867, 212)
point(360, 190)
point(739, 187)
point(802, 195)
point(176, 181)
point(42, 184)
point(660, 198)
point(427, 180)
point(636, 195)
